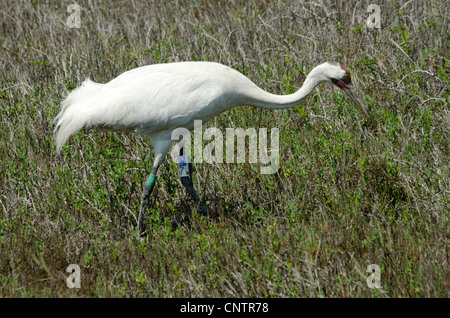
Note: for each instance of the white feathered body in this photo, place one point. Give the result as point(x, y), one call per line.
point(155, 99)
point(151, 99)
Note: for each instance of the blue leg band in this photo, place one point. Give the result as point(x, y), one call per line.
point(151, 180)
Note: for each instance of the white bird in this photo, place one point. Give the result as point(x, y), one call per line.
point(154, 100)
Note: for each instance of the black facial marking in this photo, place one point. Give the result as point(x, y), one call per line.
point(346, 79)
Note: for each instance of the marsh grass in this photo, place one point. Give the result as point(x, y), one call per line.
point(349, 192)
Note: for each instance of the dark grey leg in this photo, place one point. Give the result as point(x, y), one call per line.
point(145, 202)
point(189, 185)
point(161, 147)
point(145, 196)
point(186, 181)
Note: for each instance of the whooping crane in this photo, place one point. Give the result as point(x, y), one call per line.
point(154, 100)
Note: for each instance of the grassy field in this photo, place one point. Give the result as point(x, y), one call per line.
point(350, 192)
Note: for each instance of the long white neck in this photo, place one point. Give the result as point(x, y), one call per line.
point(260, 98)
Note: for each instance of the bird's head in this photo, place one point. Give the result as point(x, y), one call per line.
point(339, 75)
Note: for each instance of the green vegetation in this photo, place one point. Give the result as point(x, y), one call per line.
point(349, 192)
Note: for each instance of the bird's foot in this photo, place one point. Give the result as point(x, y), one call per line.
point(202, 208)
point(145, 203)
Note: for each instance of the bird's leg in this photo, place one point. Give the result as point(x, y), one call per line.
point(189, 185)
point(145, 199)
point(160, 153)
point(185, 170)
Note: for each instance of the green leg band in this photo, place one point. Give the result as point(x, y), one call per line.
point(151, 180)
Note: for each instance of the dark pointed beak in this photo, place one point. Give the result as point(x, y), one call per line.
point(351, 92)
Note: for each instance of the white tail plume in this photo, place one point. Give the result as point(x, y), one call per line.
point(77, 112)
